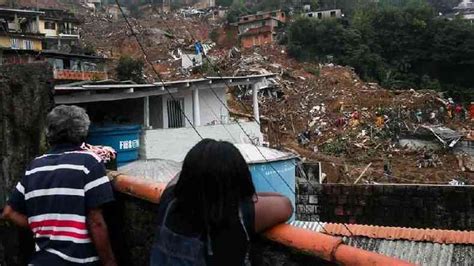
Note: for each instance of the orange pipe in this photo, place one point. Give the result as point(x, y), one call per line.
point(321, 245)
point(138, 187)
point(305, 240)
point(327, 247)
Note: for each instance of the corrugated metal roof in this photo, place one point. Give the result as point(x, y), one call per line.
point(424, 246)
point(254, 154)
point(418, 252)
point(157, 170)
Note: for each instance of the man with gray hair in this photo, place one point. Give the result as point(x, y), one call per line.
point(61, 194)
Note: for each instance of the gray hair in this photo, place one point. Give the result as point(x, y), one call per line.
point(67, 124)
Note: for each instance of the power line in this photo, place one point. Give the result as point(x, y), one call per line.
point(145, 55)
point(215, 94)
point(161, 80)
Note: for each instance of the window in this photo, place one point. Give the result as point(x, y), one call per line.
point(333, 14)
point(49, 25)
point(310, 15)
point(320, 15)
point(175, 113)
point(15, 43)
point(28, 45)
point(245, 19)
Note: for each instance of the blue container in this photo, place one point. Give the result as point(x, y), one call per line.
point(125, 139)
point(273, 172)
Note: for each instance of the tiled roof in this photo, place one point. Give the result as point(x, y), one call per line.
point(419, 246)
point(391, 233)
point(400, 233)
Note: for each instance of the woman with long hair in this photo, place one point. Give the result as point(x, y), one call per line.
point(208, 215)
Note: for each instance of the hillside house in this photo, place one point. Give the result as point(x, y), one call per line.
point(60, 29)
point(324, 14)
point(20, 29)
point(158, 108)
point(47, 35)
point(261, 28)
point(465, 9)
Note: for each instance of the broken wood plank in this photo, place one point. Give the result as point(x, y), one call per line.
point(362, 174)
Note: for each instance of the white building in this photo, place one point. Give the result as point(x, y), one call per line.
point(324, 14)
point(465, 9)
point(167, 132)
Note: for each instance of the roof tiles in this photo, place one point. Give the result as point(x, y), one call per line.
point(401, 233)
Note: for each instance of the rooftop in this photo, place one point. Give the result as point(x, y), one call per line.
point(419, 246)
point(21, 11)
point(261, 13)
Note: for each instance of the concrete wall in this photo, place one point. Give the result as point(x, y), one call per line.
point(419, 206)
point(173, 144)
point(156, 109)
point(211, 109)
point(249, 41)
point(25, 99)
point(207, 102)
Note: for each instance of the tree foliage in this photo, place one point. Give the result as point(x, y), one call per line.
point(405, 46)
point(130, 69)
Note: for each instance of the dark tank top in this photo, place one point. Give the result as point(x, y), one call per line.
point(229, 245)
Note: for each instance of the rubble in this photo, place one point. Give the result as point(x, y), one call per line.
point(331, 112)
point(325, 112)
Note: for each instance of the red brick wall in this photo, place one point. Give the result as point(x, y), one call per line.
point(249, 41)
point(418, 206)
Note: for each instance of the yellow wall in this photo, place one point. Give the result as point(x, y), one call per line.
point(48, 32)
point(37, 45)
point(4, 41)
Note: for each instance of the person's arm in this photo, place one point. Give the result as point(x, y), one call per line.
point(100, 237)
point(17, 218)
point(271, 209)
point(98, 192)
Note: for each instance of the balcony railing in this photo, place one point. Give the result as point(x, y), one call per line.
point(66, 74)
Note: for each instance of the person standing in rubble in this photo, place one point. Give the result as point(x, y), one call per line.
point(419, 116)
point(61, 195)
point(379, 120)
point(209, 214)
point(458, 112)
point(387, 167)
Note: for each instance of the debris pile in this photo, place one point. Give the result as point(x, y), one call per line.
point(326, 113)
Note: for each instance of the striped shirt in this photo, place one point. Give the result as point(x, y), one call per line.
point(55, 194)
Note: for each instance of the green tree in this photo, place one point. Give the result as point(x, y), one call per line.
point(130, 69)
point(403, 45)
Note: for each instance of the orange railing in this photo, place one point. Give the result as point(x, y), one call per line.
point(327, 247)
point(66, 74)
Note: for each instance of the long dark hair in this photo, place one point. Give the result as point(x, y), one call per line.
point(213, 180)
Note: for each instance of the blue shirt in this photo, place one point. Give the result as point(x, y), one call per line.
point(56, 193)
